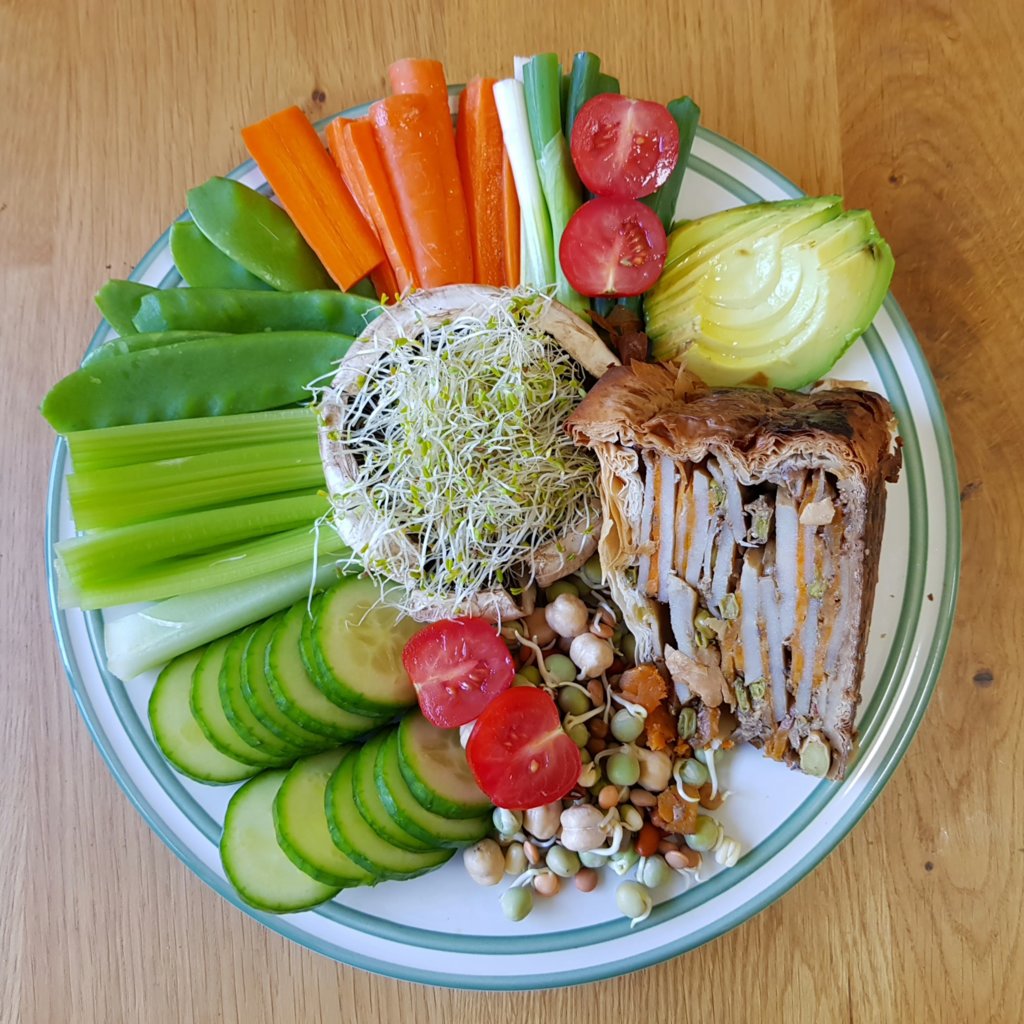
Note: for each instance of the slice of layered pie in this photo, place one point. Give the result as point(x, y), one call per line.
point(741, 538)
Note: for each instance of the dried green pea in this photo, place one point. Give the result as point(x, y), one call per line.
point(517, 902)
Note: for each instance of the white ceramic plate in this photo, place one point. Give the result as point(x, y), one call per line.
point(442, 929)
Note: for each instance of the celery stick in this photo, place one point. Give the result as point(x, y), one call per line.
point(562, 193)
point(111, 555)
point(538, 265)
point(105, 447)
point(686, 114)
point(231, 564)
point(148, 638)
point(104, 498)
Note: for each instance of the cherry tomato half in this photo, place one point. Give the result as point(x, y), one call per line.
point(518, 752)
point(613, 247)
point(624, 147)
point(458, 667)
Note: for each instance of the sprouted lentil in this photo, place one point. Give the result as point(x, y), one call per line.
point(597, 825)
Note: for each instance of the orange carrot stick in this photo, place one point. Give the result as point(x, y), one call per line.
point(426, 78)
point(355, 152)
point(303, 176)
point(384, 281)
point(481, 152)
point(511, 221)
point(409, 139)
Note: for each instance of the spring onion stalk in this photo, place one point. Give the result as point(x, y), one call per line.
point(583, 84)
point(565, 83)
point(102, 499)
point(146, 639)
point(110, 555)
point(106, 447)
point(607, 83)
point(663, 202)
point(232, 564)
point(518, 63)
point(538, 263)
point(542, 78)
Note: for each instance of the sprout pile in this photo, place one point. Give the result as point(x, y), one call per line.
point(460, 462)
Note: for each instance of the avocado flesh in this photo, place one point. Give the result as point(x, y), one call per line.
point(762, 278)
point(779, 305)
point(759, 247)
point(694, 242)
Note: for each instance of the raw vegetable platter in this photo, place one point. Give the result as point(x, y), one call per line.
point(443, 930)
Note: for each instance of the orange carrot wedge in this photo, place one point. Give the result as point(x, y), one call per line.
point(511, 224)
point(481, 152)
point(302, 174)
point(384, 281)
point(409, 139)
point(355, 152)
point(426, 78)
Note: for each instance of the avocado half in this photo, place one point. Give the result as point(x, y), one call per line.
point(772, 293)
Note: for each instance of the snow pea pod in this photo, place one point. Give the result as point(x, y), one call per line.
point(119, 302)
point(202, 265)
point(213, 376)
point(135, 342)
point(238, 311)
point(257, 233)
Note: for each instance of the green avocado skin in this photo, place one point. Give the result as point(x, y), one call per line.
point(771, 293)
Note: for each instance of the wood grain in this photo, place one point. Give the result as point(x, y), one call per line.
point(112, 108)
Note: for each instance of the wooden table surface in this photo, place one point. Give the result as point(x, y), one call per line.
point(111, 108)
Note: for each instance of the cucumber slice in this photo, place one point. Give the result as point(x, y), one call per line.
point(370, 805)
point(296, 693)
point(301, 823)
point(357, 644)
point(354, 836)
point(323, 682)
point(177, 733)
point(208, 712)
point(257, 693)
point(237, 712)
point(254, 862)
point(434, 765)
point(410, 814)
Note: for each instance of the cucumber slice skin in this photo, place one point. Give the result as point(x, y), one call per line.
point(404, 808)
point(177, 733)
point(296, 693)
point(253, 860)
point(323, 682)
point(434, 785)
point(237, 712)
point(301, 823)
point(257, 693)
point(354, 837)
point(370, 805)
point(308, 655)
point(204, 700)
point(336, 668)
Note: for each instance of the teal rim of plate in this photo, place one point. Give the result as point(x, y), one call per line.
point(873, 716)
